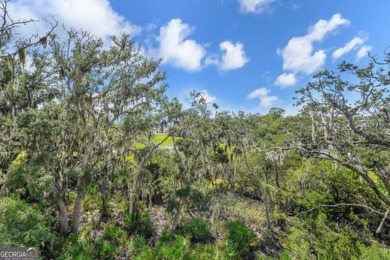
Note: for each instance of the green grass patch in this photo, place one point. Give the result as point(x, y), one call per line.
point(159, 137)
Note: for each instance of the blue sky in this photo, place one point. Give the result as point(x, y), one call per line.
point(244, 54)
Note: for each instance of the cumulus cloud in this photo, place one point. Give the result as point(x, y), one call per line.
point(286, 80)
point(351, 45)
point(363, 51)
point(177, 50)
point(253, 6)
point(299, 56)
point(234, 56)
point(96, 16)
point(263, 95)
point(323, 27)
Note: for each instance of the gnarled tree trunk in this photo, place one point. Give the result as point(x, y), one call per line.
point(62, 216)
point(78, 208)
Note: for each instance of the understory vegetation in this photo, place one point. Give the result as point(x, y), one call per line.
point(97, 163)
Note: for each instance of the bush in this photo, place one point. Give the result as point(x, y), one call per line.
point(75, 248)
point(316, 238)
point(140, 225)
point(373, 252)
point(197, 229)
point(166, 236)
point(204, 251)
point(138, 245)
point(114, 234)
point(78, 247)
point(22, 225)
point(199, 200)
point(178, 249)
point(240, 238)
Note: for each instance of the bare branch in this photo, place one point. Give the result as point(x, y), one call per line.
point(345, 205)
point(382, 222)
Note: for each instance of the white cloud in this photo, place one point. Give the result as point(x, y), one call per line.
point(286, 80)
point(260, 92)
point(352, 44)
point(253, 6)
point(234, 56)
point(323, 27)
point(175, 49)
point(299, 56)
point(207, 97)
point(262, 95)
point(363, 51)
point(96, 16)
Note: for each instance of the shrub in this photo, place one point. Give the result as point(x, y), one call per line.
point(197, 229)
point(199, 200)
point(316, 238)
point(178, 249)
point(345, 247)
point(240, 238)
point(106, 250)
point(166, 236)
point(80, 247)
point(140, 225)
point(75, 248)
point(114, 234)
point(138, 244)
point(203, 251)
point(22, 225)
point(373, 252)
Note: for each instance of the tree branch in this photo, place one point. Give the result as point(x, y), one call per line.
point(345, 205)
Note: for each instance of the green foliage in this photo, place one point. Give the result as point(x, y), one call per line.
point(240, 238)
point(92, 201)
point(220, 155)
point(373, 252)
point(78, 247)
point(172, 204)
point(197, 229)
point(199, 200)
point(184, 192)
point(238, 207)
point(204, 251)
point(114, 234)
point(83, 246)
point(314, 238)
point(140, 225)
point(279, 216)
point(304, 244)
point(22, 224)
point(166, 236)
point(75, 248)
point(178, 249)
point(139, 246)
point(316, 182)
point(22, 177)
